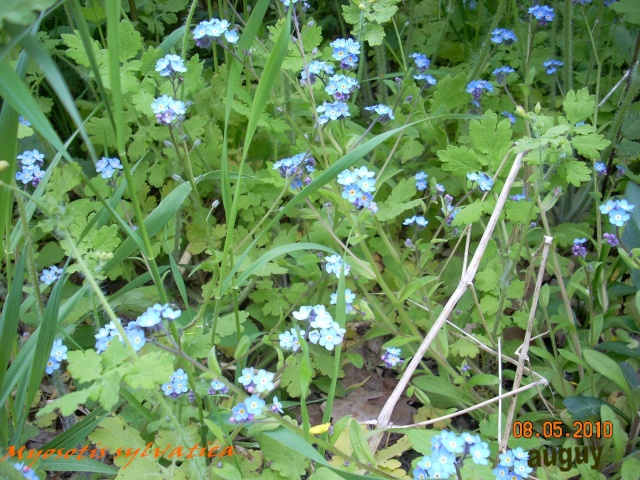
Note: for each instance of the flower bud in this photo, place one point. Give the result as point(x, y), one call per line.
point(3, 165)
point(538, 108)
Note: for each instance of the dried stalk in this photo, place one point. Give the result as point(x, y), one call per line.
point(465, 281)
point(525, 343)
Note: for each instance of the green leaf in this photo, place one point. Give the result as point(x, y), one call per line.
point(469, 214)
point(590, 145)
point(482, 379)
point(374, 34)
point(84, 366)
point(578, 106)
point(283, 458)
point(574, 172)
point(22, 13)
point(518, 212)
point(67, 404)
point(628, 9)
point(421, 440)
point(464, 348)
point(491, 138)
point(607, 367)
point(460, 160)
point(150, 370)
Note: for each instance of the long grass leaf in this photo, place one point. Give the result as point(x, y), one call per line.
point(153, 223)
point(244, 44)
point(11, 314)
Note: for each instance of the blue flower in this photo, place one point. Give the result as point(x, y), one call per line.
point(332, 111)
point(542, 13)
point(624, 205)
point(502, 73)
point(346, 51)
point(167, 388)
point(507, 458)
point(334, 265)
point(485, 182)
point(329, 338)
point(421, 182)
point(231, 36)
point(607, 207)
point(240, 413)
point(618, 217)
point(349, 297)
point(52, 364)
point(58, 350)
point(479, 453)
point(314, 336)
point(421, 61)
point(151, 317)
point(24, 121)
point(385, 112)
point(428, 79)
point(511, 118)
point(518, 197)
point(254, 404)
point(502, 35)
point(167, 109)
point(277, 406)
point(108, 166)
point(264, 381)
point(169, 65)
point(287, 340)
point(391, 357)
point(50, 275)
point(247, 376)
point(136, 337)
point(552, 66)
point(477, 87)
point(218, 386)
point(315, 69)
point(520, 467)
point(31, 157)
point(340, 86)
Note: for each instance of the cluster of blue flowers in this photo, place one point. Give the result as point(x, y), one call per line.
point(294, 167)
point(502, 73)
point(346, 51)
point(419, 221)
point(578, 248)
point(260, 382)
point(332, 111)
point(485, 182)
point(27, 472)
point(542, 13)
point(154, 315)
point(448, 452)
point(106, 167)
point(502, 35)
point(385, 113)
point(617, 210)
point(359, 184)
point(109, 332)
point(422, 65)
point(50, 275)
point(391, 357)
point(513, 465)
point(167, 109)
point(178, 384)
point(30, 162)
point(169, 65)
point(448, 209)
point(349, 297)
point(321, 329)
point(341, 87)
point(316, 69)
point(211, 30)
point(477, 88)
point(58, 354)
point(552, 66)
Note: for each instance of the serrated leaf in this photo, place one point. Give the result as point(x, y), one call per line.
point(486, 280)
point(129, 40)
point(460, 160)
point(491, 138)
point(150, 370)
point(447, 95)
point(590, 145)
point(518, 212)
point(469, 214)
point(68, 404)
point(374, 34)
point(578, 106)
point(84, 366)
point(628, 9)
point(464, 348)
point(574, 172)
point(283, 459)
point(291, 376)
